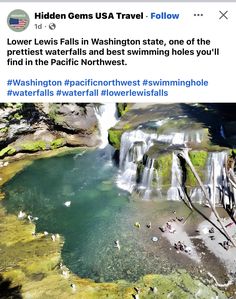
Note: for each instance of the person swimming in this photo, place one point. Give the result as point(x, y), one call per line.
point(117, 244)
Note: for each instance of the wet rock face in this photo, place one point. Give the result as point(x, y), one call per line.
point(24, 127)
point(73, 117)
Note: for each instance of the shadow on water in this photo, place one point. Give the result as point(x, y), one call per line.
point(7, 291)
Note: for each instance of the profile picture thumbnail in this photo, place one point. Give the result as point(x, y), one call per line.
point(18, 20)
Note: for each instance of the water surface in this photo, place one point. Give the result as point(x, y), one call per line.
point(99, 214)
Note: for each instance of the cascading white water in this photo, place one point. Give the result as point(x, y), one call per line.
point(179, 138)
point(175, 191)
point(107, 117)
point(147, 177)
point(134, 145)
point(215, 165)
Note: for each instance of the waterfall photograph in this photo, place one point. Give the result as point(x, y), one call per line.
point(117, 200)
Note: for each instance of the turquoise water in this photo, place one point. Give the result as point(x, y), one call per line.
point(99, 214)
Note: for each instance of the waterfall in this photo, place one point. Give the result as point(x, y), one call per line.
point(107, 117)
point(147, 178)
point(134, 145)
point(215, 164)
point(179, 138)
point(136, 166)
point(175, 190)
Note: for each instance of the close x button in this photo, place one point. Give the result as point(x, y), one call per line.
point(223, 15)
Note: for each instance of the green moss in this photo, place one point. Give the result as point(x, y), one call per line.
point(163, 164)
point(233, 152)
point(37, 265)
point(9, 150)
point(56, 143)
point(54, 115)
point(34, 146)
point(199, 160)
point(16, 275)
point(13, 105)
point(4, 130)
point(18, 105)
point(127, 127)
point(122, 108)
point(17, 116)
point(179, 285)
point(114, 137)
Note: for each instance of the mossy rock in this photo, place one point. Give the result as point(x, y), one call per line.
point(9, 150)
point(56, 143)
point(163, 165)
point(122, 108)
point(114, 137)
point(17, 116)
point(34, 146)
point(180, 285)
point(4, 130)
point(199, 161)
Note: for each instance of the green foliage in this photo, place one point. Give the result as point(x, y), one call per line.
point(163, 165)
point(56, 143)
point(199, 160)
point(9, 150)
point(34, 146)
point(114, 137)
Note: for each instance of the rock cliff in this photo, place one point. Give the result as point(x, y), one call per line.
point(31, 127)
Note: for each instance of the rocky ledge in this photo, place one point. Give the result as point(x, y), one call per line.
point(33, 127)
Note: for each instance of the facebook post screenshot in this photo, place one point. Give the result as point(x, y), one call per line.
point(117, 150)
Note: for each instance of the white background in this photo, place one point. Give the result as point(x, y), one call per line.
point(218, 70)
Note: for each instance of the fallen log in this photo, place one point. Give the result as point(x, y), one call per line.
point(184, 154)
